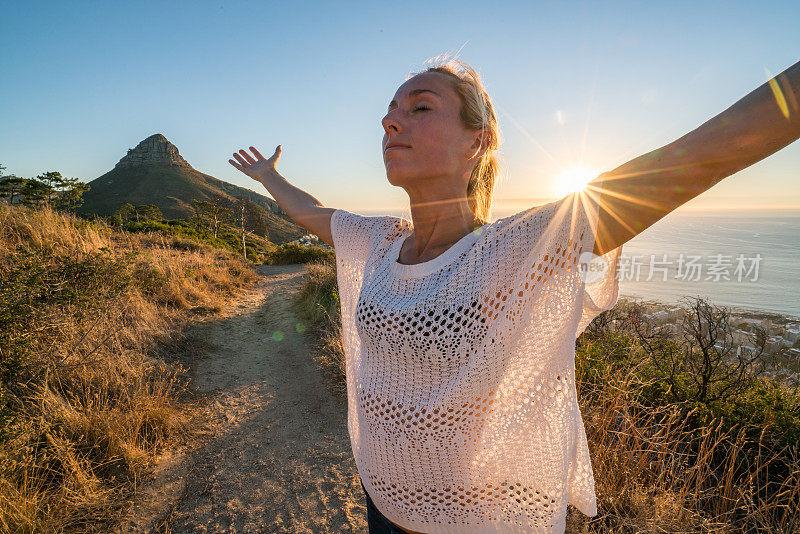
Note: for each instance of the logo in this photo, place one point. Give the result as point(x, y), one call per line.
point(591, 267)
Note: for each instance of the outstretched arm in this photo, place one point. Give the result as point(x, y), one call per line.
point(640, 192)
point(306, 210)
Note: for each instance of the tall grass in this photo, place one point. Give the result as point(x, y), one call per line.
point(318, 304)
point(86, 404)
point(659, 466)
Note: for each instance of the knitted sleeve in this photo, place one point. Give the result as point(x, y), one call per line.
point(547, 242)
point(569, 241)
point(600, 275)
point(354, 237)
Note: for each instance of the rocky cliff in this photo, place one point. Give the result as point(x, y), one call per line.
point(155, 150)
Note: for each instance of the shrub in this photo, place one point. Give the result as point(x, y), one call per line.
point(295, 253)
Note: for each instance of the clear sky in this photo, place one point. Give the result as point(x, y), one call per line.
point(576, 84)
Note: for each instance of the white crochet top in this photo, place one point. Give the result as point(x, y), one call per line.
point(462, 409)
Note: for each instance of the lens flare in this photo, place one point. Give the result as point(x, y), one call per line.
point(574, 179)
point(778, 94)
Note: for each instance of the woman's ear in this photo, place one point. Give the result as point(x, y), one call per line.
point(481, 142)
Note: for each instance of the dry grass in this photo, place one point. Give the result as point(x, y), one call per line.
point(318, 305)
point(655, 469)
point(656, 472)
point(86, 405)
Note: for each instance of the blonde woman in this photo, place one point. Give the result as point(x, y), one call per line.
point(459, 332)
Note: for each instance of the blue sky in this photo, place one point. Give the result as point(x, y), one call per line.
point(590, 84)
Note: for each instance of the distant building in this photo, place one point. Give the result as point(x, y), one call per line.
point(310, 239)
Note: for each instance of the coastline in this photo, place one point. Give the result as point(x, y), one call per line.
point(735, 311)
point(782, 348)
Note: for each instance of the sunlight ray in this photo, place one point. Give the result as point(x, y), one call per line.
point(589, 191)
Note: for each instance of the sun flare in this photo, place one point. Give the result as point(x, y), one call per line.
point(574, 179)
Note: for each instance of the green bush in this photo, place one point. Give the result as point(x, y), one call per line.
point(296, 253)
point(185, 243)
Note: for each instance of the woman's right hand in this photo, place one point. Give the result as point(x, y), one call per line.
point(257, 167)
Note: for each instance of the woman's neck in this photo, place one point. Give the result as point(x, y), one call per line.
point(439, 223)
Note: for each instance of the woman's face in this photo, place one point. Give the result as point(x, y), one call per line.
point(423, 116)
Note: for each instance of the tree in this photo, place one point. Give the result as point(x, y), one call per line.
point(258, 223)
point(124, 213)
point(148, 212)
point(70, 194)
point(198, 215)
point(11, 187)
point(215, 212)
point(51, 182)
point(248, 218)
point(702, 364)
point(144, 212)
point(34, 193)
point(49, 188)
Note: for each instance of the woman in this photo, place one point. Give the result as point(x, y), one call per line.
point(459, 333)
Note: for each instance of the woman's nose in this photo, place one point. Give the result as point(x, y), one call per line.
point(390, 122)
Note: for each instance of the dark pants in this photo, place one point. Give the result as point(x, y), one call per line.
point(376, 521)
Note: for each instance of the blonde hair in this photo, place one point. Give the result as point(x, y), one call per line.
point(477, 113)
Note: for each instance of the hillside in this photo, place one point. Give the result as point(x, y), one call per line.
point(155, 173)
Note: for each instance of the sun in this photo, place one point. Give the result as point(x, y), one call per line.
point(574, 179)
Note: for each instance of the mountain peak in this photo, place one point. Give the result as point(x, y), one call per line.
point(155, 150)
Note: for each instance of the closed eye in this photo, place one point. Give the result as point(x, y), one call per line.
point(420, 108)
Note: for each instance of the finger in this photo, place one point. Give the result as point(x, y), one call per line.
point(240, 159)
point(236, 165)
point(247, 156)
point(256, 152)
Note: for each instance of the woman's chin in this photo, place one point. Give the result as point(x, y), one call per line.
point(396, 177)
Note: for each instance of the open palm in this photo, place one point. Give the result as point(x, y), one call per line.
point(255, 166)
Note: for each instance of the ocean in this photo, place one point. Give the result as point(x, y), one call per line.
point(748, 260)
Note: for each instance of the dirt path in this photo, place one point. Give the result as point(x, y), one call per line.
point(276, 456)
